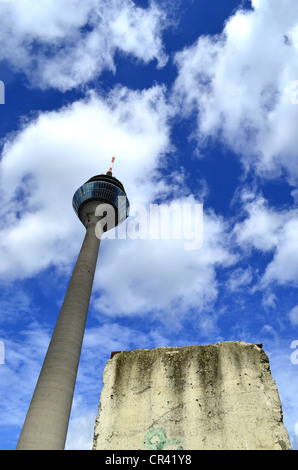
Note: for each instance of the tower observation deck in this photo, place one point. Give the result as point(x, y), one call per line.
point(102, 189)
point(101, 200)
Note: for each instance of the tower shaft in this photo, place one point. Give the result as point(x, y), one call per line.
point(46, 423)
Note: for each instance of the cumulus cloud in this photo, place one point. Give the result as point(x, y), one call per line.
point(54, 154)
point(294, 315)
point(160, 276)
point(270, 230)
point(66, 44)
point(240, 84)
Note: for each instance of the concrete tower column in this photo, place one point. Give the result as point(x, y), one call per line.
point(46, 423)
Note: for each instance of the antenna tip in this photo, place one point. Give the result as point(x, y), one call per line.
point(111, 167)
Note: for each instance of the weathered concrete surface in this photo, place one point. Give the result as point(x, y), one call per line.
point(218, 396)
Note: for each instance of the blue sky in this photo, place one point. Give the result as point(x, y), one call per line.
point(198, 102)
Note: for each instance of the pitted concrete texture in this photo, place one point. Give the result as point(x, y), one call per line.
point(218, 396)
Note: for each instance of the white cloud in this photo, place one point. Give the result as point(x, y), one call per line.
point(284, 266)
point(44, 164)
point(239, 279)
point(66, 44)
point(271, 231)
point(240, 81)
point(294, 315)
point(14, 305)
point(269, 300)
point(142, 276)
point(81, 429)
point(261, 229)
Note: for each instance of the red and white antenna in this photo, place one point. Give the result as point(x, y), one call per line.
point(112, 163)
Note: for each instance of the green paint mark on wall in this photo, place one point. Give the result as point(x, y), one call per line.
point(156, 439)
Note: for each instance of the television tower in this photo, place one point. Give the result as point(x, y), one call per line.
point(100, 204)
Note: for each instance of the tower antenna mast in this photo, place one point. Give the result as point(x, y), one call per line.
point(112, 164)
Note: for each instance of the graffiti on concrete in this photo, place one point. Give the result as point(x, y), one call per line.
point(156, 439)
